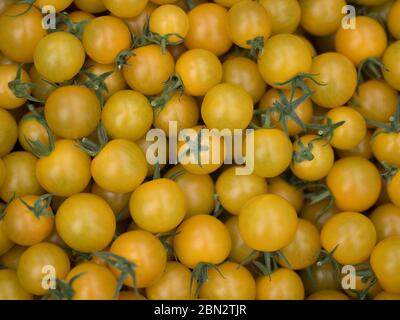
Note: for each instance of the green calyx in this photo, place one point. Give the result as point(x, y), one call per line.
point(327, 257)
point(164, 237)
point(319, 192)
point(305, 152)
point(200, 275)
point(63, 290)
point(41, 206)
point(389, 171)
point(97, 83)
point(286, 109)
point(367, 275)
point(267, 263)
point(393, 126)
point(93, 148)
point(74, 28)
point(38, 148)
point(4, 208)
point(370, 68)
point(172, 85)
point(256, 46)
point(194, 147)
point(20, 88)
point(30, 4)
point(218, 209)
point(122, 57)
point(299, 81)
point(126, 268)
point(326, 131)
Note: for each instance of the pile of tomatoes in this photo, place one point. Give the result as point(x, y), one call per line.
point(85, 215)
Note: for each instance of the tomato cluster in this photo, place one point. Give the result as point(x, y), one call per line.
point(313, 86)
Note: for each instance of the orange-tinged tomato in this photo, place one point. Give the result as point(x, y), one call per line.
point(318, 213)
point(386, 219)
point(367, 40)
point(385, 262)
point(42, 89)
point(10, 259)
point(363, 149)
point(104, 38)
point(148, 68)
point(283, 284)
point(65, 171)
point(127, 115)
point(169, 19)
point(304, 111)
point(125, 8)
point(283, 57)
point(11, 288)
point(34, 262)
point(92, 6)
point(146, 251)
point(8, 73)
point(174, 284)
point(321, 18)
point(338, 77)
point(120, 166)
point(272, 152)
point(244, 72)
point(391, 72)
point(320, 162)
point(358, 177)
point(8, 132)
point(227, 106)
point(95, 282)
point(235, 283)
point(72, 111)
point(393, 21)
point(59, 56)
point(20, 33)
point(200, 70)
point(375, 100)
point(267, 223)
point(353, 130)
point(246, 21)
point(22, 226)
point(5, 242)
point(304, 250)
point(284, 189)
point(386, 147)
point(328, 295)
point(393, 189)
point(208, 29)
point(198, 190)
point(202, 238)
point(20, 177)
point(284, 15)
point(353, 236)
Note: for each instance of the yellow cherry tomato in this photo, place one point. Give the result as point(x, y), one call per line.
point(393, 21)
point(42, 89)
point(284, 15)
point(8, 132)
point(387, 296)
point(11, 288)
point(318, 213)
point(284, 189)
point(393, 189)
point(10, 259)
point(391, 72)
point(8, 73)
point(385, 147)
point(5, 243)
point(328, 295)
point(363, 149)
point(125, 8)
point(386, 219)
point(92, 6)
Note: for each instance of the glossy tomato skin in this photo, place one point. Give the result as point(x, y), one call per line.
point(148, 69)
point(368, 40)
point(393, 22)
point(385, 262)
point(33, 260)
point(119, 167)
point(95, 283)
point(20, 33)
point(85, 222)
point(320, 165)
point(200, 70)
point(10, 287)
point(247, 20)
point(267, 223)
point(227, 106)
point(244, 72)
point(352, 234)
point(207, 29)
point(235, 190)
point(8, 132)
point(284, 284)
point(57, 4)
point(305, 248)
point(125, 8)
point(8, 73)
point(392, 71)
point(237, 283)
point(202, 238)
point(363, 149)
point(72, 112)
point(272, 152)
point(198, 190)
point(20, 176)
point(282, 58)
point(10, 259)
point(284, 15)
point(173, 285)
point(386, 219)
point(289, 192)
point(358, 177)
point(92, 6)
point(385, 147)
point(393, 189)
point(127, 115)
point(146, 251)
point(104, 38)
point(65, 171)
point(321, 18)
point(22, 226)
point(59, 56)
